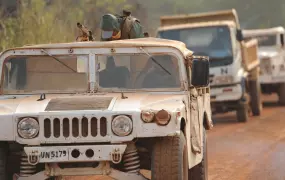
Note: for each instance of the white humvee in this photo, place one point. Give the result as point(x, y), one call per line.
point(104, 108)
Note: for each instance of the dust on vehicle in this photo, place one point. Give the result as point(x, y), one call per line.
point(104, 108)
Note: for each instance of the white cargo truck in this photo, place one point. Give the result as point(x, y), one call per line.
point(271, 52)
point(234, 65)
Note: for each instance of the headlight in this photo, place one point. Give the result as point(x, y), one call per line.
point(28, 128)
point(223, 79)
point(147, 116)
point(162, 117)
point(122, 125)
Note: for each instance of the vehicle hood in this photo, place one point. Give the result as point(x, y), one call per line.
point(103, 102)
point(267, 52)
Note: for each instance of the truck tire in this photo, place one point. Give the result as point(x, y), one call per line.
point(255, 97)
point(200, 171)
point(169, 159)
point(242, 113)
point(281, 94)
point(3, 161)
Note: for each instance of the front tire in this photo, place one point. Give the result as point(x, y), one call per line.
point(281, 94)
point(170, 159)
point(255, 97)
point(200, 171)
point(242, 113)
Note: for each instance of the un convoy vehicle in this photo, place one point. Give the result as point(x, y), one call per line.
point(271, 53)
point(104, 108)
point(234, 65)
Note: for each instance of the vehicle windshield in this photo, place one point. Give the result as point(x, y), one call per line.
point(214, 41)
point(27, 74)
point(269, 40)
point(138, 71)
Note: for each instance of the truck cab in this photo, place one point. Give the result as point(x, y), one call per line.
point(218, 35)
point(271, 52)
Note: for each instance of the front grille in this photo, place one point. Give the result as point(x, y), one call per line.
point(75, 127)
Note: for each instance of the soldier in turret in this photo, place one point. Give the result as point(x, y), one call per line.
point(114, 27)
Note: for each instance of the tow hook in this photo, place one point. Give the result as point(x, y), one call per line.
point(116, 156)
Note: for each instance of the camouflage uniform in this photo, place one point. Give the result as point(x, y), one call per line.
point(120, 27)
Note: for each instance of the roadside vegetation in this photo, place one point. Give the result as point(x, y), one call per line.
point(49, 21)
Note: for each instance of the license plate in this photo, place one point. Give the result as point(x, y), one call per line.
point(59, 154)
point(50, 154)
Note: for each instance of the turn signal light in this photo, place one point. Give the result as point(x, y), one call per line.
point(162, 117)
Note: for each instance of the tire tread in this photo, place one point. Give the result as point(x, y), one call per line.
point(166, 158)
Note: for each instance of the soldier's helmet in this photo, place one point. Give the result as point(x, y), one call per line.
point(109, 23)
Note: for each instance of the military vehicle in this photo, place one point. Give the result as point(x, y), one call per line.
point(104, 108)
point(271, 52)
point(234, 63)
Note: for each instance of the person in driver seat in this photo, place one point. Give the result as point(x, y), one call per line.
point(158, 77)
point(113, 76)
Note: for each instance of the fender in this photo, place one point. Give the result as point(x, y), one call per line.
point(195, 158)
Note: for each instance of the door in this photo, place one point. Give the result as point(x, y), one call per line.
point(194, 103)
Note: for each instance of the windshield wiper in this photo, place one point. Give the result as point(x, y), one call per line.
point(155, 61)
point(44, 51)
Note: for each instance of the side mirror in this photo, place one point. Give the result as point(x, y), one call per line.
point(282, 39)
point(200, 72)
point(239, 35)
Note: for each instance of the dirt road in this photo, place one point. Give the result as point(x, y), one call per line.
point(246, 151)
point(251, 151)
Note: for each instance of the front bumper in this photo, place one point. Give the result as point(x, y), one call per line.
point(103, 154)
point(230, 92)
point(272, 79)
point(84, 153)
